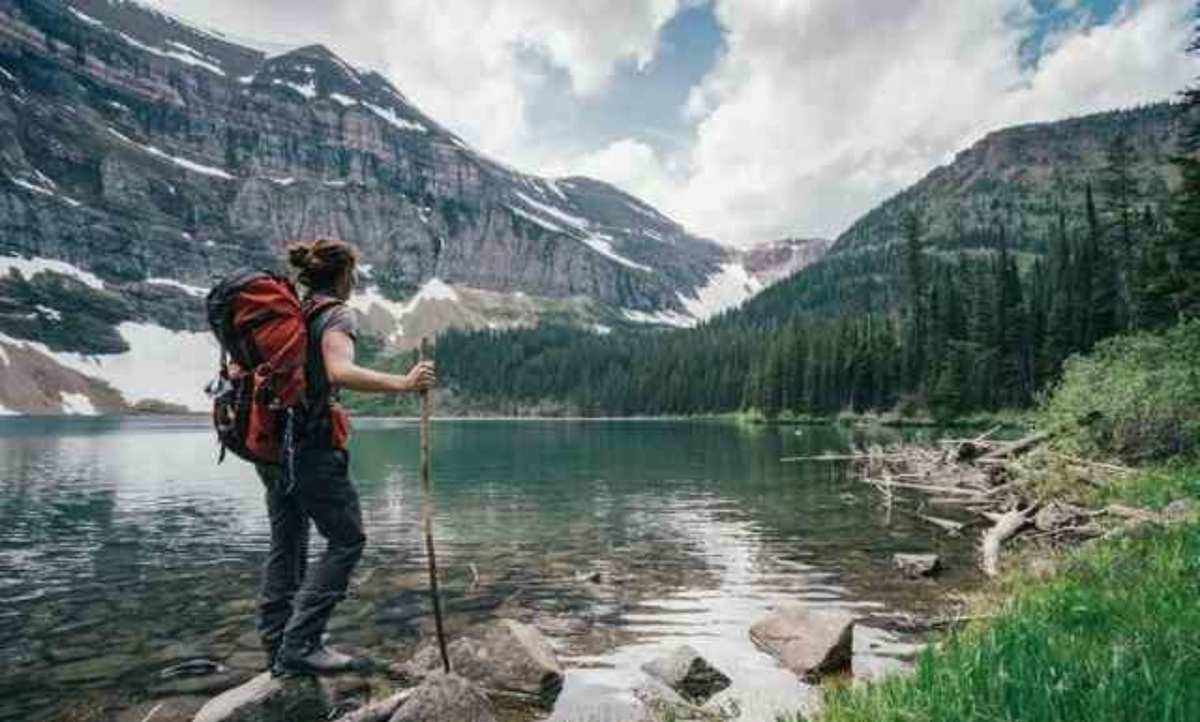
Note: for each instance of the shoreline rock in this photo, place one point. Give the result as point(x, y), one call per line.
point(445, 698)
point(504, 657)
point(688, 674)
point(809, 641)
point(916, 566)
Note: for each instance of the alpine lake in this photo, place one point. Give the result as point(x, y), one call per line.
point(125, 549)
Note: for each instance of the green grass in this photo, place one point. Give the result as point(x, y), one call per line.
point(1115, 636)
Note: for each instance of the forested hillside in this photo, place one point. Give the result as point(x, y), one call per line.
point(965, 292)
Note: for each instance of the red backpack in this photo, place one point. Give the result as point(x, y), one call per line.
point(259, 398)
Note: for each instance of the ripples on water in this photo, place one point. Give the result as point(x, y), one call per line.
point(123, 538)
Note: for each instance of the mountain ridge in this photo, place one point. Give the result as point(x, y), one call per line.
point(154, 156)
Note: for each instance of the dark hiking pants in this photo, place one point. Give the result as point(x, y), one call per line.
point(296, 600)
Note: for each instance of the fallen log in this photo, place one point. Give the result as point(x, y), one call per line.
point(1015, 449)
point(928, 487)
point(1007, 525)
point(950, 527)
point(829, 457)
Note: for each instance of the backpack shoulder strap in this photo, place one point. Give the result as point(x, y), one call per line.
point(312, 308)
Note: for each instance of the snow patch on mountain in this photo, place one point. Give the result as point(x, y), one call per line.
point(728, 288)
point(196, 291)
point(40, 190)
point(160, 365)
point(344, 100)
point(77, 405)
point(173, 54)
point(601, 244)
point(661, 318)
point(370, 300)
point(181, 162)
point(83, 17)
point(555, 213)
point(30, 267)
point(389, 115)
point(193, 52)
point(50, 313)
point(308, 90)
point(537, 220)
point(553, 186)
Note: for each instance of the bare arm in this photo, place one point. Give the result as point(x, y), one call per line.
point(337, 350)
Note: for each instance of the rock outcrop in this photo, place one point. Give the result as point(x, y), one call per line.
point(811, 642)
point(915, 566)
point(137, 147)
point(689, 674)
point(445, 698)
point(505, 657)
point(880, 653)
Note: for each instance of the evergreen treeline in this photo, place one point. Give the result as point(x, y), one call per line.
point(983, 325)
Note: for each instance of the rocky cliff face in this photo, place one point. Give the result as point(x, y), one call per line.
point(1022, 177)
point(774, 261)
point(1022, 187)
point(192, 155)
point(154, 157)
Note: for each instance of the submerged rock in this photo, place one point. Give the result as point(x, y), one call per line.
point(445, 698)
point(879, 653)
point(96, 669)
point(917, 565)
point(266, 699)
point(660, 702)
point(808, 641)
point(172, 709)
point(504, 657)
point(207, 684)
point(689, 674)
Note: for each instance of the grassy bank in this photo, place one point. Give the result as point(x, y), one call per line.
point(1113, 635)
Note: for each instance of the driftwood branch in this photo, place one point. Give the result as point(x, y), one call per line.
point(1015, 449)
point(380, 711)
point(1007, 525)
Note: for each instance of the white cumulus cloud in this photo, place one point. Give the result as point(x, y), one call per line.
point(816, 111)
point(819, 110)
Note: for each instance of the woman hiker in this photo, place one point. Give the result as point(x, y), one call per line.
point(297, 602)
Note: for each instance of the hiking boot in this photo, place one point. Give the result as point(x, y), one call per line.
point(271, 649)
point(313, 659)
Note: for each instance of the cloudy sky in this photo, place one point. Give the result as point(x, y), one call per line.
point(747, 120)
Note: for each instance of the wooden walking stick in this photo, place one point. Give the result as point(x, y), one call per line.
point(427, 519)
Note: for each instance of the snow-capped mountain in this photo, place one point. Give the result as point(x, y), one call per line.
point(150, 157)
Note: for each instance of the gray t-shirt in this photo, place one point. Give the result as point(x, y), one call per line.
point(338, 317)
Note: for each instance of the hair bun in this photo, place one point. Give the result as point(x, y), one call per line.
point(300, 255)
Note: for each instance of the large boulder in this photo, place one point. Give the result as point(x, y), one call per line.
point(445, 698)
point(879, 653)
point(689, 674)
point(809, 641)
point(915, 566)
point(504, 657)
point(267, 699)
